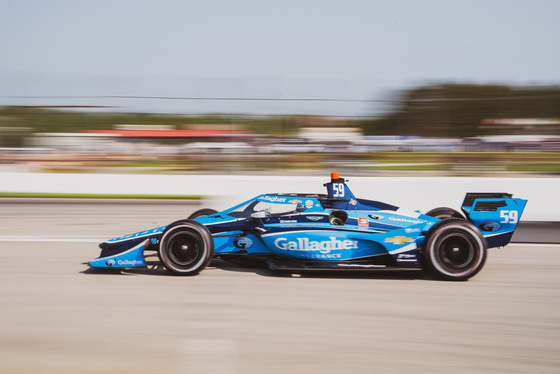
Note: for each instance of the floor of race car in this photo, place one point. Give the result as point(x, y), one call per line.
point(57, 316)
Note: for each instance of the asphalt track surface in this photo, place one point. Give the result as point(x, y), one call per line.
point(57, 316)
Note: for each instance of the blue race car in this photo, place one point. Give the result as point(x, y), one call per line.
point(336, 231)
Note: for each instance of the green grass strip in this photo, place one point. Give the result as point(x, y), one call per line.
point(96, 196)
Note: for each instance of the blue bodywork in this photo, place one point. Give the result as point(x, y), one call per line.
point(336, 230)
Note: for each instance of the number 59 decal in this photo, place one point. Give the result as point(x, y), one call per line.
point(338, 190)
point(509, 216)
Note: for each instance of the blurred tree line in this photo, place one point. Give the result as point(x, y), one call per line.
point(457, 110)
point(42, 120)
point(446, 110)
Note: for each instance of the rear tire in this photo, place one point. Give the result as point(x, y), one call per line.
point(186, 247)
point(202, 213)
point(444, 213)
point(454, 250)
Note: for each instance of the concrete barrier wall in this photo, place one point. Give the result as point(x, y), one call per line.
point(225, 190)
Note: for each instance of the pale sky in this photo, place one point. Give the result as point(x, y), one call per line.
point(67, 51)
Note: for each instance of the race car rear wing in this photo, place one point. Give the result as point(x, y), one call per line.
point(470, 197)
point(495, 214)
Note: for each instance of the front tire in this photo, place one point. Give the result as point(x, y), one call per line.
point(454, 250)
point(186, 247)
point(202, 213)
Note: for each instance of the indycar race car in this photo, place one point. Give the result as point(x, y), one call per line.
point(337, 231)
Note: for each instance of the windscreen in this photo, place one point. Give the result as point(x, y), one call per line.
point(270, 208)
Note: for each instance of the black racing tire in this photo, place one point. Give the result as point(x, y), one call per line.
point(186, 247)
point(202, 213)
point(444, 213)
point(454, 249)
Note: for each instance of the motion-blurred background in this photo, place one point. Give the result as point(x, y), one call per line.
point(428, 88)
point(221, 99)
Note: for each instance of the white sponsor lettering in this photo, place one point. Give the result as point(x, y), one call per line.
point(325, 246)
point(404, 220)
point(330, 255)
point(129, 262)
point(362, 265)
point(273, 199)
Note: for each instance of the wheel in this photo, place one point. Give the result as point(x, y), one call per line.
point(202, 213)
point(186, 247)
point(444, 213)
point(454, 249)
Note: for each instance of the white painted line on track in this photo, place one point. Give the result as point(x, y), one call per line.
point(541, 245)
point(60, 238)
